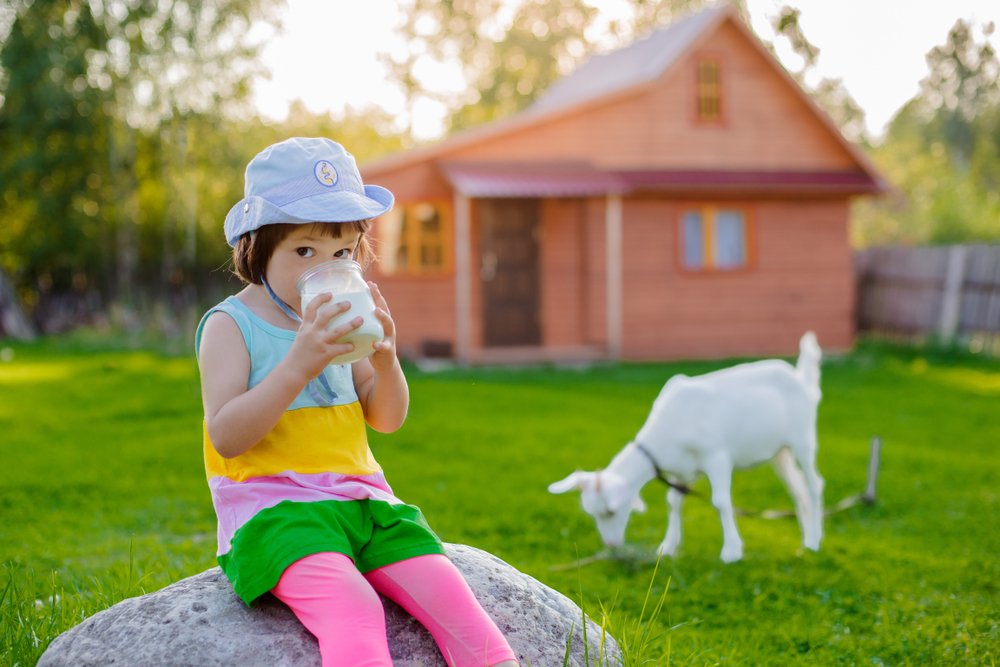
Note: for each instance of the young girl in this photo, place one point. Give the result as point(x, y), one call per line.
point(304, 510)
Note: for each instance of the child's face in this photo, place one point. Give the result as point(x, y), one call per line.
point(305, 247)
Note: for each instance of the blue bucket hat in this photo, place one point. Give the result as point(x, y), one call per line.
point(301, 181)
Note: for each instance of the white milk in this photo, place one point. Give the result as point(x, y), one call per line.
point(344, 280)
point(363, 337)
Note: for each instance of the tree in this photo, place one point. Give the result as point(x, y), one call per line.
point(52, 129)
point(647, 15)
point(829, 94)
point(512, 53)
point(509, 53)
point(543, 35)
point(942, 150)
point(960, 90)
point(95, 95)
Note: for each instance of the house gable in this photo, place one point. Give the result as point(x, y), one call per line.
point(645, 60)
point(767, 124)
point(649, 121)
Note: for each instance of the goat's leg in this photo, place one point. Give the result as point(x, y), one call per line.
point(815, 483)
point(720, 476)
point(672, 540)
point(795, 481)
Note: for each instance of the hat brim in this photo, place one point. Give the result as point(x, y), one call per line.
point(339, 206)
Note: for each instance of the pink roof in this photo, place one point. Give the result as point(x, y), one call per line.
point(531, 180)
point(536, 179)
point(642, 62)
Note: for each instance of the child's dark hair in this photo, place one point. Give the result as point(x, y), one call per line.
point(253, 250)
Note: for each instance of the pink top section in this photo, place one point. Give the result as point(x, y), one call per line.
point(238, 502)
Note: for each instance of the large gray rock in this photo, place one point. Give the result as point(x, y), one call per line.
point(200, 621)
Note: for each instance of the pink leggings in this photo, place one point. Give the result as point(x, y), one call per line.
point(341, 607)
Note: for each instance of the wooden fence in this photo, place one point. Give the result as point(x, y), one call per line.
point(948, 292)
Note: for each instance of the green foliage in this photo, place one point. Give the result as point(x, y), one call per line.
point(506, 61)
point(942, 152)
point(829, 94)
point(102, 495)
point(644, 636)
point(95, 100)
point(509, 52)
point(526, 61)
point(53, 127)
point(124, 133)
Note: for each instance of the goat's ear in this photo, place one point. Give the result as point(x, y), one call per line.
point(576, 481)
point(638, 505)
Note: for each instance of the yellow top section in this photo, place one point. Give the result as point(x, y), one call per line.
point(305, 440)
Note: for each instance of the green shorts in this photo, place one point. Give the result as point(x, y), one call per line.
point(372, 533)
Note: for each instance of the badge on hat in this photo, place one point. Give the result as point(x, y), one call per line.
point(325, 173)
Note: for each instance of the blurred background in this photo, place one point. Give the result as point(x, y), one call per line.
point(125, 128)
point(125, 125)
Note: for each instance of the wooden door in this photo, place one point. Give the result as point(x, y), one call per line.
point(508, 271)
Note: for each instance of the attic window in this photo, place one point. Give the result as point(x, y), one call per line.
point(709, 93)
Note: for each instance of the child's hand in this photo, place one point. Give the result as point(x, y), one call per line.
point(384, 356)
point(314, 345)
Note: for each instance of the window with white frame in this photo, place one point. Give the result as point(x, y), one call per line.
point(714, 238)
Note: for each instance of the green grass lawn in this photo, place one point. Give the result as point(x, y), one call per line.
point(103, 496)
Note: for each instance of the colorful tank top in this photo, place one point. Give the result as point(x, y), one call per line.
point(317, 453)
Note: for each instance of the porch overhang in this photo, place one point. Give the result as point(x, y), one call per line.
point(750, 182)
point(530, 180)
point(572, 180)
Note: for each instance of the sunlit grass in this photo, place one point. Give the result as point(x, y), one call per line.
point(968, 379)
point(102, 495)
point(37, 373)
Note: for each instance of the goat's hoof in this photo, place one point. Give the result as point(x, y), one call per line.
point(731, 554)
point(669, 550)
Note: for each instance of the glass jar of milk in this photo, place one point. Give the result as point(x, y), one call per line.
point(343, 279)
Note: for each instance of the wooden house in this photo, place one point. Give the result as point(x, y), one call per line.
point(679, 198)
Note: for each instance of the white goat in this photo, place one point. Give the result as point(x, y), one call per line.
point(732, 418)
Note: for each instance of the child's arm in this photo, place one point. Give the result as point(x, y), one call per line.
point(379, 380)
point(238, 418)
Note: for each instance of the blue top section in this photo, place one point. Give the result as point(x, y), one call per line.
point(268, 345)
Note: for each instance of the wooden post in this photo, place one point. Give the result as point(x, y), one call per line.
point(613, 273)
point(951, 302)
point(13, 321)
point(463, 277)
point(873, 461)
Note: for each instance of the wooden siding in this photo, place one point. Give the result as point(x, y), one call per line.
point(413, 183)
point(767, 125)
point(563, 269)
point(596, 285)
point(801, 279)
point(423, 310)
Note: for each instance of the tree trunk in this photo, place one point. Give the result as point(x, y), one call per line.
point(13, 321)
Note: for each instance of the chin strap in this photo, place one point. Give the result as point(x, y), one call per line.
point(319, 388)
point(280, 303)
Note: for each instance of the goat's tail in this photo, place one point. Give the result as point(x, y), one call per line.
point(810, 355)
